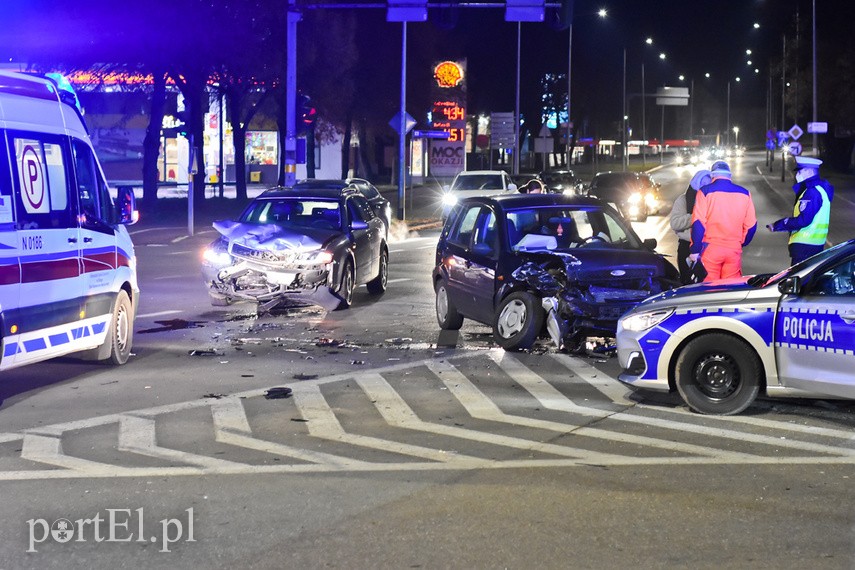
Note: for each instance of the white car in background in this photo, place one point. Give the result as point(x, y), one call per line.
point(476, 183)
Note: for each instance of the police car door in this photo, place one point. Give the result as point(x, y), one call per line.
point(815, 333)
point(97, 230)
point(48, 240)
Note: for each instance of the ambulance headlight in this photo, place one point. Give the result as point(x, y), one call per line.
point(644, 321)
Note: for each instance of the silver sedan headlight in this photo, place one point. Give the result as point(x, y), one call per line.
point(643, 321)
point(217, 257)
point(317, 257)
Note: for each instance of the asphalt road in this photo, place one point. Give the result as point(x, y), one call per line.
point(401, 447)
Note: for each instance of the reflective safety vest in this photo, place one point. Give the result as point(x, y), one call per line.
point(817, 231)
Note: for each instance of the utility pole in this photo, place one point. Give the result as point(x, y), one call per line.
point(291, 95)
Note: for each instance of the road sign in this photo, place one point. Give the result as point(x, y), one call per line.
point(544, 144)
point(795, 148)
point(817, 127)
point(783, 138)
point(672, 96)
point(409, 122)
point(545, 132)
point(431, 134)
point(795, 132)
point(502, 130)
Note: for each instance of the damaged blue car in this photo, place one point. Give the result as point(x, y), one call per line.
point(310, 245)
point(533, 265)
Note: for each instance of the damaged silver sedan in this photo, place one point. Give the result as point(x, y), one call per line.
point(290, 244)
point(543, 264)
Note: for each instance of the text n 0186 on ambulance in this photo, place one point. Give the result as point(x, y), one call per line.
point(721, 344)
point(68, 280)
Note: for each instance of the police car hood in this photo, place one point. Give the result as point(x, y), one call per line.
point(275, 237)
point(726, 290)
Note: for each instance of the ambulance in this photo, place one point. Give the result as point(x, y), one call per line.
point(721, 344)
point(68, 280)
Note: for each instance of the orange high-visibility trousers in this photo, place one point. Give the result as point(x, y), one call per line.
point(721, 262)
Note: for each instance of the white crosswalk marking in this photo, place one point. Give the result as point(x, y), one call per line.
point(598, 425)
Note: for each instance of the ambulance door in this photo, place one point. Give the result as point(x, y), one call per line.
point(815, 333)
point(10, 270)
point(97, 230)
point(48, 241)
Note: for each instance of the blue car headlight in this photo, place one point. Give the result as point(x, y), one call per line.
point(643, 321)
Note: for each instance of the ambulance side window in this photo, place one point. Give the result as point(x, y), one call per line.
point(7, 213)
point(93, 194)
point(41, 181)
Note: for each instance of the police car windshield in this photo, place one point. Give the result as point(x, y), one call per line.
point(798, 267)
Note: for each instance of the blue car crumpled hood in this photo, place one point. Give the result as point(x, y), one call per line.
point(275, 237)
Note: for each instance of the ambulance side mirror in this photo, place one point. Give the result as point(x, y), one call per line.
point(790, 285)
point(126, 204)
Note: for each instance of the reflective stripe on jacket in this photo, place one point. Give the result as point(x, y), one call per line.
point(816, 232)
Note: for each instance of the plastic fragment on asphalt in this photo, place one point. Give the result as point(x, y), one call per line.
point(278, 393)
point(302, 376)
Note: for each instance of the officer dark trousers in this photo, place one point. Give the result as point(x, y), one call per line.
point(801, 251)
point(683, 251)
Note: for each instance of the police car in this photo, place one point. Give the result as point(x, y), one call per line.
point(721, 344)
point(68, 281)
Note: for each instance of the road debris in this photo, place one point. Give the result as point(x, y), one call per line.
point(278, 393)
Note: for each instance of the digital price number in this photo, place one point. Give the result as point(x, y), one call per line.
point(450, 116)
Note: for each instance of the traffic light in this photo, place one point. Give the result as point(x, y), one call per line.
point(561, 18)
point(306, 113)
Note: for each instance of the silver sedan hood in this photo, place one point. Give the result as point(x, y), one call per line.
point(275, 237)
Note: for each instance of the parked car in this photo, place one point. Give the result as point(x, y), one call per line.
point(380, 205)
point(305, 243)
point(476, 183)
point(560, 180)
point(530, 264)
point(722, 344)
point(633, 194)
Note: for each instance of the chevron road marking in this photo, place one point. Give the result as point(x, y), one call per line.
point(480, 406)
point(607, 386)
point(397, 413)
point(232, 427)
point(323, 423)
point(551, 398)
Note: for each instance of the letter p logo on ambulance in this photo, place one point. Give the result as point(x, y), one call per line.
point(32, 178)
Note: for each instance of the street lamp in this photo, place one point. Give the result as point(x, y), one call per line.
point(736, 136)
point(602, 13)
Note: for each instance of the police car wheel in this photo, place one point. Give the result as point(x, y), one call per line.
point(446, 313)
point(121, 329)
point(518, 321)
point(718, 374)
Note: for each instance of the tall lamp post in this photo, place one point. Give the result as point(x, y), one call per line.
point(602, 13)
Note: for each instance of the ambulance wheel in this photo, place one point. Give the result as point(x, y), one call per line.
point(719, 374)
point(518, 321)
point(121, 333)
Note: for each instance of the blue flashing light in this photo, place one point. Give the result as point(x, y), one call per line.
point(66, 89)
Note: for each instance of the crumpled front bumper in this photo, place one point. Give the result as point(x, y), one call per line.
point(257, 282)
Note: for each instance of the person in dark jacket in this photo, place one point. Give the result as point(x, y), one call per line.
point(808, 225)
point(681, 221)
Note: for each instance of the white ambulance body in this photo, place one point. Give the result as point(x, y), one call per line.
point(67, 265)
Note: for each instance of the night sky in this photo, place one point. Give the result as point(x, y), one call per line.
point(697, 36)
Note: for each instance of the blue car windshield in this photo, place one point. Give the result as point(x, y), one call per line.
point(301, 212)
point(570, 226)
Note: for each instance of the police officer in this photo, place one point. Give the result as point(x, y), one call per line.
point(808, 226)
point(723, 222)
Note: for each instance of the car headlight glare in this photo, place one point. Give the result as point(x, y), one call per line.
point(634, 198)
point(315, 258)
point(216, 257)
point(449, 199)
point(643, 321)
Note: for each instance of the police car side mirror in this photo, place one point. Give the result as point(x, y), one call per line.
point(126, 204)
point(650, 243)
point(790, 285)
point(512, 187)
point(358, 225)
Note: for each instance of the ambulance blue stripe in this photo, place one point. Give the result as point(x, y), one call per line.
point(11, 349)
point(29, 319)
point(58, 339)
point(35, 344)
point(98, 328)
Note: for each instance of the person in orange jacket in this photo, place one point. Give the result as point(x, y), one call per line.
point(723, 222)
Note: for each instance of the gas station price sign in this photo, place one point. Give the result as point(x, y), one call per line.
point(450, 116)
